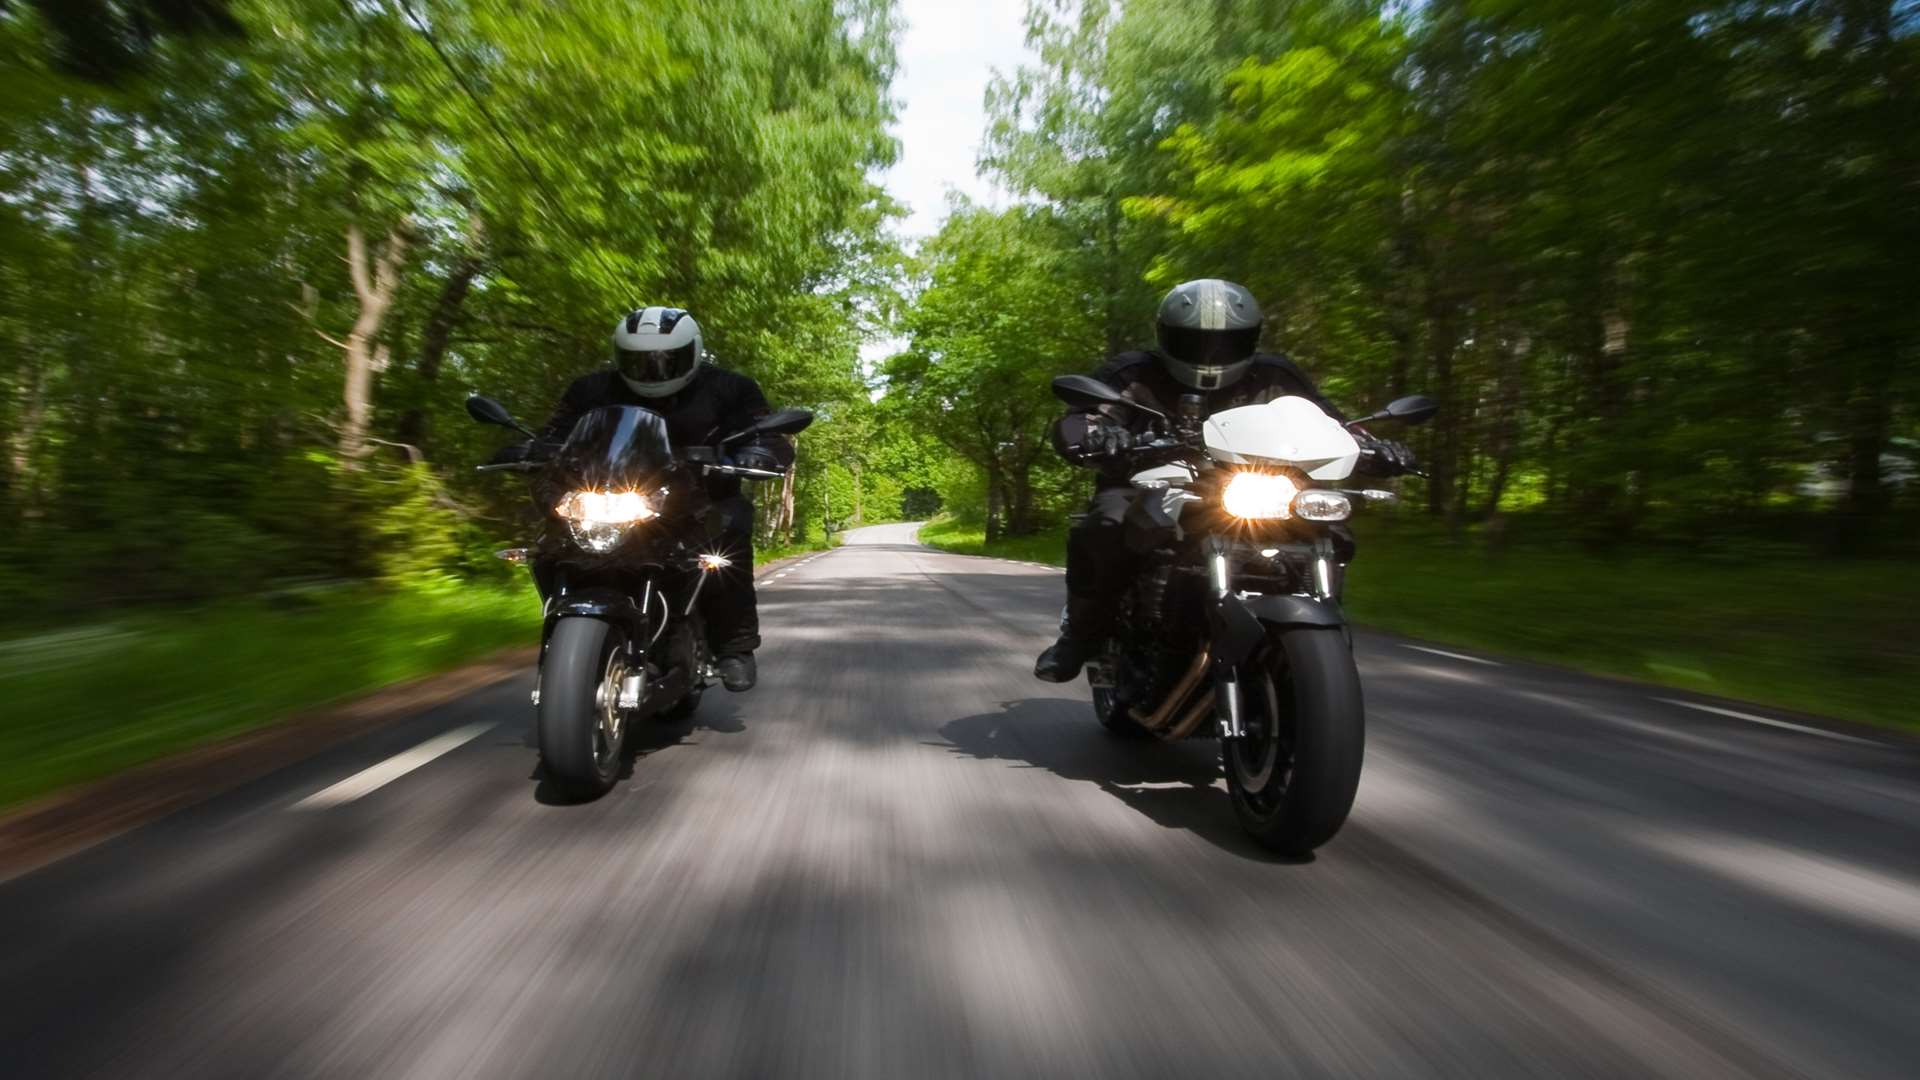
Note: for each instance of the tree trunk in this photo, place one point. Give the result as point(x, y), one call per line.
point(23, 489)
point(996, 503)
point(1869, 416)
point(1020, 514)
point(785, 517)
point(1443, 463)
point(375, 280)
point(1116, 318)
point(433, 345)
point(1506, 418)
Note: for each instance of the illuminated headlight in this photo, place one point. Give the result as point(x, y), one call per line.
point(1322, 506)
point(605, 507)
point(599, 520)
point(1259, 495)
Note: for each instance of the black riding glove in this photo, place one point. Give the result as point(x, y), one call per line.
point(1108, 441)
point(1385, 457)
point(757, 457)
point(511, 454)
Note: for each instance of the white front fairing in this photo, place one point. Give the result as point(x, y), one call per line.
point(1285, 431)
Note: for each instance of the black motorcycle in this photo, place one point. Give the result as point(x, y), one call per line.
point(1233, 629)
point(626, 549)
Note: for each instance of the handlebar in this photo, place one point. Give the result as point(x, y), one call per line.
point(741, 470)
point(723, 470)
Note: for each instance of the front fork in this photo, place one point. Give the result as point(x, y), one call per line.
point(1226, 676)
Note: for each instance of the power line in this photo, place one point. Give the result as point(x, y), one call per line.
point(539, 182)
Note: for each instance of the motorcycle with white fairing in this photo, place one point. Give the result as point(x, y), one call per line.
point(1233, 629)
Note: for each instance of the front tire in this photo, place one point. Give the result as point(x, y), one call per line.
point(582, 731)
point(1292, 777)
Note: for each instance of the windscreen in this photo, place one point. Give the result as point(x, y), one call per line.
point(615, 448)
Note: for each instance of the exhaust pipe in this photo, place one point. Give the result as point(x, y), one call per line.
point(1178, 696)
point(1190, 721)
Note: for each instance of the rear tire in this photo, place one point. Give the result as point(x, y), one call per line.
point(1293, 776)
point(582, 759)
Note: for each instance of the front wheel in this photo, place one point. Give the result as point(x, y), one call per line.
point(582, 728)
point(1293, 775)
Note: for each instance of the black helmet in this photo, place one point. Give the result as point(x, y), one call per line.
point(1208, 330)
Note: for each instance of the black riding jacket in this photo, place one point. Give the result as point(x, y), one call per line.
point(1142, 378)
point(716, 403)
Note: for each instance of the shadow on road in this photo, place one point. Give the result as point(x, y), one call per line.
point(1172, 785)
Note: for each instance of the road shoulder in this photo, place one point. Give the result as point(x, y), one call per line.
point(53, 827)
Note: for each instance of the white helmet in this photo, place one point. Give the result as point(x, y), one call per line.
point(657, 350)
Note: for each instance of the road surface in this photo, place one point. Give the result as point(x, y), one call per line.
point(902, 856)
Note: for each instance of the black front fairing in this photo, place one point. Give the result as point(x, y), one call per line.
point(615, 448)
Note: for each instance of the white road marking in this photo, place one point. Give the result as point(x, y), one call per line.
point(1455, 655)
point(780, 575)
point(1862, 894)
point(378, 776)
point(1750, 718)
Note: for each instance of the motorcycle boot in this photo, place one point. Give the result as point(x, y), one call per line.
point(1085, 626)
point(738, 672)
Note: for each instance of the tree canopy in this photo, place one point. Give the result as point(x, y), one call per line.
point(255, 260)
point(1649, 256)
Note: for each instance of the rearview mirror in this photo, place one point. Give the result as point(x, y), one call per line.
point(781, 422)
point(488, 411)
point(1414, 409)
point(1082, 392)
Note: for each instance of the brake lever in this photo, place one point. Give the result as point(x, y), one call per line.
point(510, 466)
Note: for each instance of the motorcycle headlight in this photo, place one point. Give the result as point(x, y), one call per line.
point(1316, 505)
point(599, 520)
point(589, 508)
point(1259, 495)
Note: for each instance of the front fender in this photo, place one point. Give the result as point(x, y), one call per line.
point(607, 604)
point(1239, 624)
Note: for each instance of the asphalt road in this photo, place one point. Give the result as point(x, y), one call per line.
point(902, 856)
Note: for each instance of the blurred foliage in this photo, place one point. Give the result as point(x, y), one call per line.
point(89, 699)
point(254, 260)
point(1650, 256)
point(996, 316)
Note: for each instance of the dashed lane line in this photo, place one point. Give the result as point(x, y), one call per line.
point(1752, 719)
point(377, 776)
point(1454, 655)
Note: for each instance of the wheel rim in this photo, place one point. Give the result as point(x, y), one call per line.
point(1262, 759)
point(608, 731)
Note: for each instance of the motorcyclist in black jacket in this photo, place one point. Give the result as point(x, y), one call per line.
point(1208, 361)
point(659, 363)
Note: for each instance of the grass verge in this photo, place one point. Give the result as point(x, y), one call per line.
point(88, 701)
point(963, 539)
point(1817, 637)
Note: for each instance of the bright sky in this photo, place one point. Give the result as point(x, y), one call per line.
point(947, 54)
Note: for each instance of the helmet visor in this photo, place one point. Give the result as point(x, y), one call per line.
point(1209, 348)
point(655, 365)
